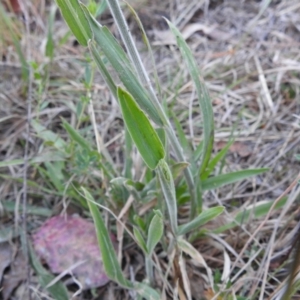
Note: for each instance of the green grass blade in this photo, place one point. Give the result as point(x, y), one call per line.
point(259, 210)
point(4, 16)
point(10, 206)
point(119, 60)
point(168, 189)
point(109, 257)
point(182, 138)
point(57, 290)
point(128, 159)
point(54, 172)
point(148, 45)
point(220, 180)
point(140, 240)
point(213, 162)
point(146, 292)
point(75, 136)
point(155, 232)
point(50, 42)
point(142, 132)
point(102, 68)
point(203, 97)
point(202, 219)
point(76, 20)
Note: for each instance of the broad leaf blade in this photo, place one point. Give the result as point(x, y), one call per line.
point(155, 232)
point(109, 258)
point(203, 97)
point(220, 180)
point(200, 220)
point(142, 132)
point(76, 20)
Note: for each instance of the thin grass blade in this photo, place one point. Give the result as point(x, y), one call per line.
point(120, 62)
point(259, 210)
point(109, 257)
point(202, 219)
point(102, 69)
point(146, 292)
point(167, 185)
point(75, 136)
point(220, 180)
point(203, 97)
point(213, 162)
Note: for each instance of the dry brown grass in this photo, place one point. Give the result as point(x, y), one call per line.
point(249, 57)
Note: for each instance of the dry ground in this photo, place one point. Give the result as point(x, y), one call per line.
point(248, 52)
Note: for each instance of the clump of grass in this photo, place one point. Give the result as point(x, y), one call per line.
point(147, 201)
point(149, 129)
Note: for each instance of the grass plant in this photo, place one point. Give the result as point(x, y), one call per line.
point(152, 192)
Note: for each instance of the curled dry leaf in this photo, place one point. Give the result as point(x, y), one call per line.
point(70, 243)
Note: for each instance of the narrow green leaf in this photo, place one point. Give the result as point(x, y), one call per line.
point(50, 43)
point(55, 173)
point(203, 97)
point(75, 136)
point(168, 189)
point(120, 62)
point(146, 291)
point(102, 69)
point(4, 17)
point(147, 43)
point(155, 232)
point(259, 210)
point(140, 240)
point(200, 220)
point(220, 180)
point(48, 135)
point(128, 157)
point(57, 290)
point(182, 138)
point(142, 132)
point(102, 6)
point(109, 258)
point(213, 162)
point(10, 206)
point(76, 20)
